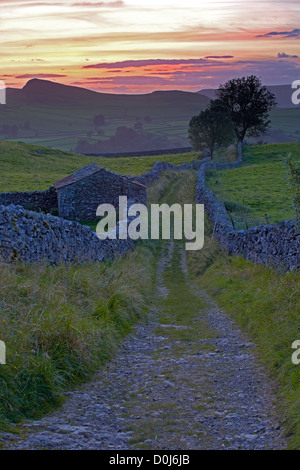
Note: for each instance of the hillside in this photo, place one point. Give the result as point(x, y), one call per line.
point(283, 95)
point(60, 116)
point(78, 120)
point(25, 167)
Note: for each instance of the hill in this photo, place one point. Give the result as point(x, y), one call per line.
point(62, 116)
point(283, 95)
point(78, 120)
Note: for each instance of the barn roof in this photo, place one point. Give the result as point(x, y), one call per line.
point(84, 173)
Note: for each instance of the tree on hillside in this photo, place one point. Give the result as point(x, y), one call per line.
point(99, 120)
point(249, 104)
point(212, 126)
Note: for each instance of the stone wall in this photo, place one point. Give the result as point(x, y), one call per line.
point(32, 237)
point(277, 244)
point(79, 201)
point(32, 200)
point(158, 167)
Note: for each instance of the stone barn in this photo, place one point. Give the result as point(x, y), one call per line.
point(81, 193)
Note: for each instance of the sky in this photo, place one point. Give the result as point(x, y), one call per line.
point(139, 46)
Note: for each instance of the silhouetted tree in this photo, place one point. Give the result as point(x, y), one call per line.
point(249, 104)
point(212, 126)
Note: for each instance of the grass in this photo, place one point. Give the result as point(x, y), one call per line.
point(25, 167)
point(257, 188)
point(61, 323)
point(265, 303)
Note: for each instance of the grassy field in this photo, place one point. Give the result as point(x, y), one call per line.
point(257, 188)
point(25, 167)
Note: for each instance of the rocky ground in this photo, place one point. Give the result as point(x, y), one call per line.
point(188, 382)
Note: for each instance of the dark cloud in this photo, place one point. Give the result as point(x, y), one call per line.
point(219, 57)
point(283, 55)
point(270, 71)
point(144, 63)
point(295, 33)
point(40, 75)
point(133, 80)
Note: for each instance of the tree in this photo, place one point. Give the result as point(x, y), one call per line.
point(212, 126)
point(249, 104)
point(99, 120)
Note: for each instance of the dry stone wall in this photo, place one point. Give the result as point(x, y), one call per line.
point(44, 201)
point(32, 237)
point(158, 167)
point(277, 244)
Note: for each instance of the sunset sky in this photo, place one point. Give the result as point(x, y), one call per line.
point(138, 46)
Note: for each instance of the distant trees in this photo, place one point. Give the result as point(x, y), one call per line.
point(241, 109)
point(99, 120)
point(211, 127)
point(125, 139)
point(249, 104)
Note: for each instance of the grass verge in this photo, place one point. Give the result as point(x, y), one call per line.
point(61, 323)
point(265, 303)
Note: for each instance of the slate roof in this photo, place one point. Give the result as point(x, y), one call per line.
point(84, 173)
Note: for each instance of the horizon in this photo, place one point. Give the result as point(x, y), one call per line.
point(111, 93)
point(125, 47)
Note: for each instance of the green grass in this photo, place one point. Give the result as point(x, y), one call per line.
point(25, 167)
point(265, 303)
point(258, 188)
point(61, 323)
point(285, 121)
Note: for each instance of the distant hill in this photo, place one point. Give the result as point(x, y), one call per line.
point(75, 119)
point(283, 95)
point(63, 116)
